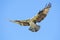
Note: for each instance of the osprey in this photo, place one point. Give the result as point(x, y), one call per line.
point(32, 22)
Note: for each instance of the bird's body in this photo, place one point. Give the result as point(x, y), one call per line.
point(32, 22)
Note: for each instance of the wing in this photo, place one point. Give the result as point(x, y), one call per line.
point(22, 22)
point(41, 14)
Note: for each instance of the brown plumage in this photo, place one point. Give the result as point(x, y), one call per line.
point(32, 22)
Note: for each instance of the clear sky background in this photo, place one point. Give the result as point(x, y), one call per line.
point(24, 9)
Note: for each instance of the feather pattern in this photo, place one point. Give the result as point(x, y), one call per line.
point(32, 22)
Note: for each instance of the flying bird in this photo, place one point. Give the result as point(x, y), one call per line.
point(32, 21)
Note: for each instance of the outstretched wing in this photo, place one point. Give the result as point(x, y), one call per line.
point(41, 14)
point(22, 22)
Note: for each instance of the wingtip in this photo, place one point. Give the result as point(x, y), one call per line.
point(48, 5)
point(11, 21)
point(14, 21)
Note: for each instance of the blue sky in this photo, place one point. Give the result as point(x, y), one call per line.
point(24, 9)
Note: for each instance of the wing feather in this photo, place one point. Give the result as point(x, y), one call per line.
point(22, 22)
point(41, 14)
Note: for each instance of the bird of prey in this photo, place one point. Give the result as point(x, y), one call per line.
point(32, 21)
